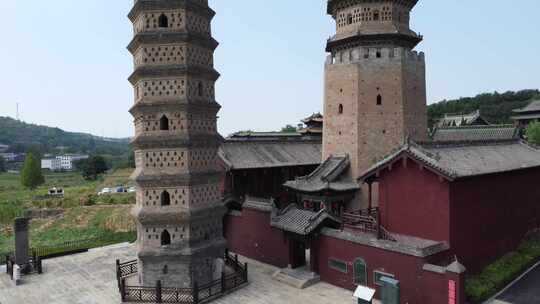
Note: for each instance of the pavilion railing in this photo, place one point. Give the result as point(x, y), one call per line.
point(367, 221)
point(196, 294)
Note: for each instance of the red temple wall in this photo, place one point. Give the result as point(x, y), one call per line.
point(414, 202)
point(416, 285)
point(491, 214)
point(251, 235)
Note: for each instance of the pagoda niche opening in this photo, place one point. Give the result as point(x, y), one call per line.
point(165, 238)
point(163, 21)
point(164, 123)
point(376, 16)
point(200, 89)
point(165, 199)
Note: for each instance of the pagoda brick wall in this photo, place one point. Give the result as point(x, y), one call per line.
point(362, 16)
point(364, 129)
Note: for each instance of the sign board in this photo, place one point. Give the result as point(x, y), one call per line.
point(364, 293)
point(451, 292)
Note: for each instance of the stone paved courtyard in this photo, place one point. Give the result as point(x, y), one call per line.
point(90, 278)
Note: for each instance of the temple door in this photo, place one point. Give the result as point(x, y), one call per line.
point(297, 254)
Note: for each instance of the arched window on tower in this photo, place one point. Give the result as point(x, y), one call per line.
point(164, 123)
point(165, 238)
point(340, 109)
point(163, 21)
point(349, 19)
point(379, 100)
point(200, 89)
point(165, 199)
point(376, 16)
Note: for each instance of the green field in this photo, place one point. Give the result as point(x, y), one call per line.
point(85, 214)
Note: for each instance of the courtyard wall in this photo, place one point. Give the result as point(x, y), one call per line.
point(248, 232)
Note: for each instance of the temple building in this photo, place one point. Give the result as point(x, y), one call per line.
point(390, 208)
point(313, 125)
point(466, 134)
point(178, 210)
point(463, 119)
point(523, 117)
point(257, 164)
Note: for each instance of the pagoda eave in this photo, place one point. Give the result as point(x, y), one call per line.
point(194, 106)
point(168, 37)
point(149, 5)
point(173, 180)
point(177, 141)
point(173, 215)
point(178, 70)
point(183, 253)
point(397, 39)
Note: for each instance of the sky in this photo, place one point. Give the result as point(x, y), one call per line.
point(65, 62)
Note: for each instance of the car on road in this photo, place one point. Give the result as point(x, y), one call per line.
point(105, 191)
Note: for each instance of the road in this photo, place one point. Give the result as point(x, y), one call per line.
point(525, 291)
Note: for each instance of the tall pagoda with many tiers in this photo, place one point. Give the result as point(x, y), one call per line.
point(178, 210)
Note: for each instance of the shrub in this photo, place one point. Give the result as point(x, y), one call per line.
point(502, 272)
point(9, 211)
point(31, 176)
point(533, 133)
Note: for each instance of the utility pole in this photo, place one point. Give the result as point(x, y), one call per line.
point(17, 115)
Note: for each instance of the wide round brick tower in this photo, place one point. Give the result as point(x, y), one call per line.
point(178, 210)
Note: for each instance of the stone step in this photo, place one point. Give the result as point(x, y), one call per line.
point(296, 278)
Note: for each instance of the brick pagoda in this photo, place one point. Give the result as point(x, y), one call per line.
point(178, 210)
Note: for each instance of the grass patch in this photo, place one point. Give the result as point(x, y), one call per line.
point(503, 271)
point(105, 221)
point(9, 211)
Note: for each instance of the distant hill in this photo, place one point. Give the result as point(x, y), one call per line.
point(495, 107)
point(21, 137)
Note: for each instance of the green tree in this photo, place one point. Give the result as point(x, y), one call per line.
point(533, 133)
point(92, 167)
point(2, 164)
point(31, 175)
point(289, 129)
point(131, 159)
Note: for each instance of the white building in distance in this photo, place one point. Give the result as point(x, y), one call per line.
point(61, 162)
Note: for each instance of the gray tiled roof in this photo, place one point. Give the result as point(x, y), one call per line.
point(302, 222)
point(456, 120)
point(316, 117)
point(257, 203)
point(526, 116)
point(475, 133)
point(464, 160)
point(251, 155)
point(534, 106)
point(328, 176)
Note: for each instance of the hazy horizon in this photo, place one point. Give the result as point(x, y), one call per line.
point(67, 63)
